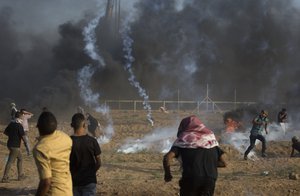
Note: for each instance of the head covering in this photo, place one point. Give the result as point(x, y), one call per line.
point(295, 139)
point(265, 112)
point(13, 105)
point(192, 133)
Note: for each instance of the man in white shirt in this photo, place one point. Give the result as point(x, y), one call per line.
point(25, 115)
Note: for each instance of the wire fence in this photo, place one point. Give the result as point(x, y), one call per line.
point(204, 105)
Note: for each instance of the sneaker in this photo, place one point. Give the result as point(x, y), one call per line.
point(263, 155)
point(5, 180)
point(21, 177)
point(245, 157)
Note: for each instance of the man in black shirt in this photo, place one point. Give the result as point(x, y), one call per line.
point(200, 154)
point(282, 120)
point(15, 133)
point(84, 159)
point(93, 124)
point(295, 146)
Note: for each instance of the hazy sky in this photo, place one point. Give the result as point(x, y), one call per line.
point(251, 46)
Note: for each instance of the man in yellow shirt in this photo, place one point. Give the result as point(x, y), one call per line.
point(51, 154)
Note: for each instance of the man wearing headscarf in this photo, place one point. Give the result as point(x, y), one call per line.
point(200, 155)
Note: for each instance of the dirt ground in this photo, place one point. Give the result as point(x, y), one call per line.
point(142, 173)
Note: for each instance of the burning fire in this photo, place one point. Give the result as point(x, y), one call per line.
point(231, 125)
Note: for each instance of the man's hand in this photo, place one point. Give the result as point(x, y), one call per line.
point(168, 177)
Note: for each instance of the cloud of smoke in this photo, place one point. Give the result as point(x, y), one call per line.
point(160, 140)
point(250, 46)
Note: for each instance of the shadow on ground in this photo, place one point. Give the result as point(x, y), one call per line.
point(16, 191)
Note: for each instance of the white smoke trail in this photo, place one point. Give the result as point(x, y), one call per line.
point(89, 34)
point(86, 73)
point(127, 48)
point(160, 140)
point(90, 98)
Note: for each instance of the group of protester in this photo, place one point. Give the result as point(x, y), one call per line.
point(67, 165)
point(198, 151)
point(260, 124)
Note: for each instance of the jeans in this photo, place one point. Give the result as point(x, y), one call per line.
point(253, 138)
point(27, 143)
point(14, 153)
point(87, 190)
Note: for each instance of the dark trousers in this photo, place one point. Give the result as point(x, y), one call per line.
point(253, 138)
point(197, 187)
point(14, 153)
point(87, 190)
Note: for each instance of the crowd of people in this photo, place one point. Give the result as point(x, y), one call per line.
point(67, 165)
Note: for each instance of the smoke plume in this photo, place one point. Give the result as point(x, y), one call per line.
point(179, 45)
point(160, 140)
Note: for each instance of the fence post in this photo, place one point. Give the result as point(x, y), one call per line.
point(177, 100)
point(207, 97)
point(235, 98)
point(134, 106)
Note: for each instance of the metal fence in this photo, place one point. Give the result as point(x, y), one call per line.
point(204, 105)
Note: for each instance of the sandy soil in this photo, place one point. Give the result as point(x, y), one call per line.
point(142, 173)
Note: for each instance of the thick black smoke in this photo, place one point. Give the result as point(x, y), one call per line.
point(179, 46)
point(250, 46)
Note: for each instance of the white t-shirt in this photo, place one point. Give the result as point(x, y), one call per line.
point(25, 118)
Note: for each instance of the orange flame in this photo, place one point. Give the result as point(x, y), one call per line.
point(231, 125)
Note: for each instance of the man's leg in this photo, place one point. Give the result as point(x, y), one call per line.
point(76, 191)
point(283, 127)
point(186, 187)
point(13, 154)
point(27, 143)
point(205, 187)
point(21, 175)
point(252, 144)
point(264, 147)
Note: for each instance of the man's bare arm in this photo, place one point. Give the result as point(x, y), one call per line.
point(44, 187)
point(292, 153)
point(167, 163)
point(221, 161)
point(98, 162)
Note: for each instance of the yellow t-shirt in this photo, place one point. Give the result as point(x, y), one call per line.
point(52, 157)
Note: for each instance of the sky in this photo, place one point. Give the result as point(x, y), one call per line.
point(248, 46)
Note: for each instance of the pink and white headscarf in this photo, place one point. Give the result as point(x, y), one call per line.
point(192, 133)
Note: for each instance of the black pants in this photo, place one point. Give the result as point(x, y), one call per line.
point(197, 187)
point(253, 138)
